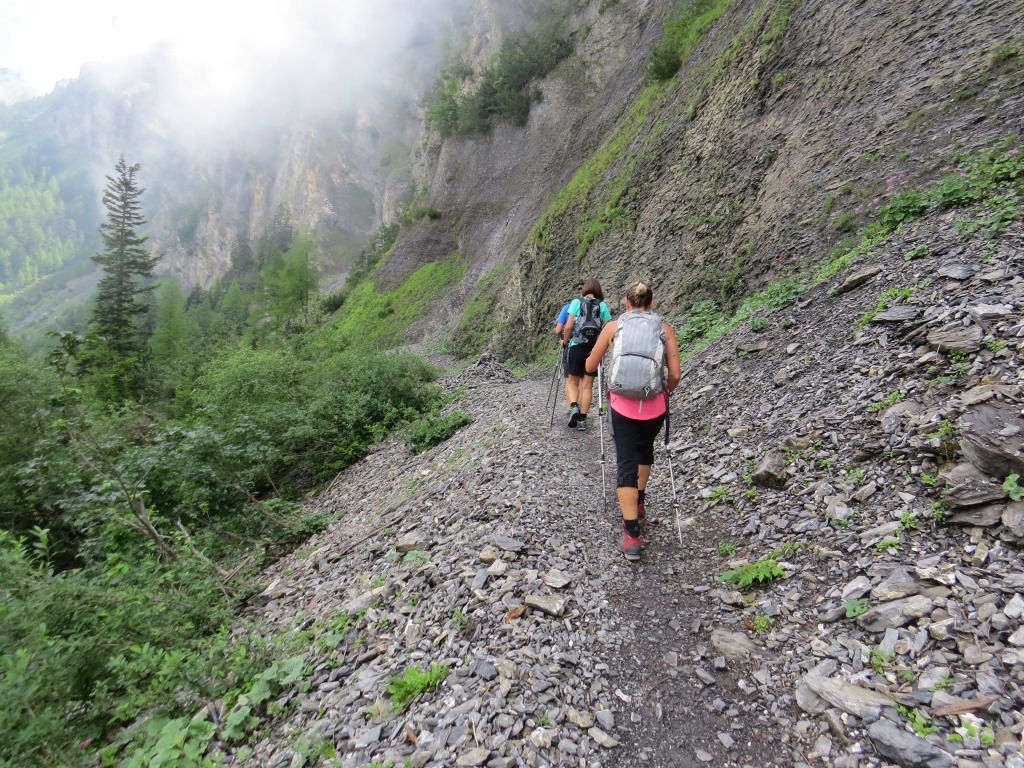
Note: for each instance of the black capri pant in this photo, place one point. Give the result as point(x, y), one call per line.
point(634, 446)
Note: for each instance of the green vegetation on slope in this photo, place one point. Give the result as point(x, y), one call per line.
point(377, 317)
point(612, 168)
point(46, 212)
point(37, 231)
point(131, 527)
point(478, 324)
point(990, 181)
point(504, 92)
point(687, 24)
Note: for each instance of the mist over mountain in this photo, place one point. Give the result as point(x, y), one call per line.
point(230, 130)
point(13, 88)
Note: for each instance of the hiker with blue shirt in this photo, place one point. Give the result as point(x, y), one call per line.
point(560, 320)
point(587, 315)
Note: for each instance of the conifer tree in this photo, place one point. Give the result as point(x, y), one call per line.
point(126, 269)
point(170, 333)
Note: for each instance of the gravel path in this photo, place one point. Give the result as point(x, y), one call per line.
point(833, 447)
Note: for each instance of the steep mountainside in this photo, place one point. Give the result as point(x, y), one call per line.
point(323, 169)
point(790, 125)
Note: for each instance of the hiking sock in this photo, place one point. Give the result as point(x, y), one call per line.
point(573, 405)
point(632, 527)
point(640, 497)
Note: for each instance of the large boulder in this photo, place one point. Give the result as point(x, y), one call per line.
point(771, 472)
point(956, 338)
point(992, 438)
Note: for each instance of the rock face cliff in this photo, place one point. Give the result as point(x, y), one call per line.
point(791, 124)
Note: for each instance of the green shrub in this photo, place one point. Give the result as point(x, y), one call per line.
point(419, 213)
point(906, 206)
point(355, 398)
point(684, 29)
point(1005, 52)
point(414, 682)
point(25, 387)
point(430, 431)
point(505, 92)
point(702, 318)
point(99, 645)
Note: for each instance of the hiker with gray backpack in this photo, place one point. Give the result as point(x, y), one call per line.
point(642, 371)
point(587, 316)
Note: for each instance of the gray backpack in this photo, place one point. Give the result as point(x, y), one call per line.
point(638, 356)
point(587, 327)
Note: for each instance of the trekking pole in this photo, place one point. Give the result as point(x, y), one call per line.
point(671, 473)
point(559, 367)
point(600, 412)
point(554, 379)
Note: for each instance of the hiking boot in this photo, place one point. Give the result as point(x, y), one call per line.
point(632, 546)
point(574, 415)
point(641, 513)
point(581, 423)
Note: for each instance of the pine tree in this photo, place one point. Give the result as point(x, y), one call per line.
point(126, 269)
point(170, 334)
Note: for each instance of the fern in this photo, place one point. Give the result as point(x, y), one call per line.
point(762, 571)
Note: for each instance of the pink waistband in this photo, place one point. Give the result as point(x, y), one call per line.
point(641, 410)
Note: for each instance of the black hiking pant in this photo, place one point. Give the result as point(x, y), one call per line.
point(634, 446)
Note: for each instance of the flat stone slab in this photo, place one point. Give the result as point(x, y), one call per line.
point(895, 613)
point(733, 645)
point(557, 579)
point(856, 280)
point(904, 748)
point(992, 438)
point(508, 544)
point(549, 604)
point(956, 338)
point(901, 313)
point(602, 738)
point(862, 702)
point(956, 271)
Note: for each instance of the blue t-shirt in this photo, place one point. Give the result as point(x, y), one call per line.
point(575, 309)
point(564, 314)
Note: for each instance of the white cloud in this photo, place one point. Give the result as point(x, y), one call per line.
point(219, 42)
point(48, 40)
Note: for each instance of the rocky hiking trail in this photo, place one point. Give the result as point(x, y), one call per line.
point(861, 441)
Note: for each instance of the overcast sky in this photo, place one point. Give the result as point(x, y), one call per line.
point(48, 40)
point(226, 70)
